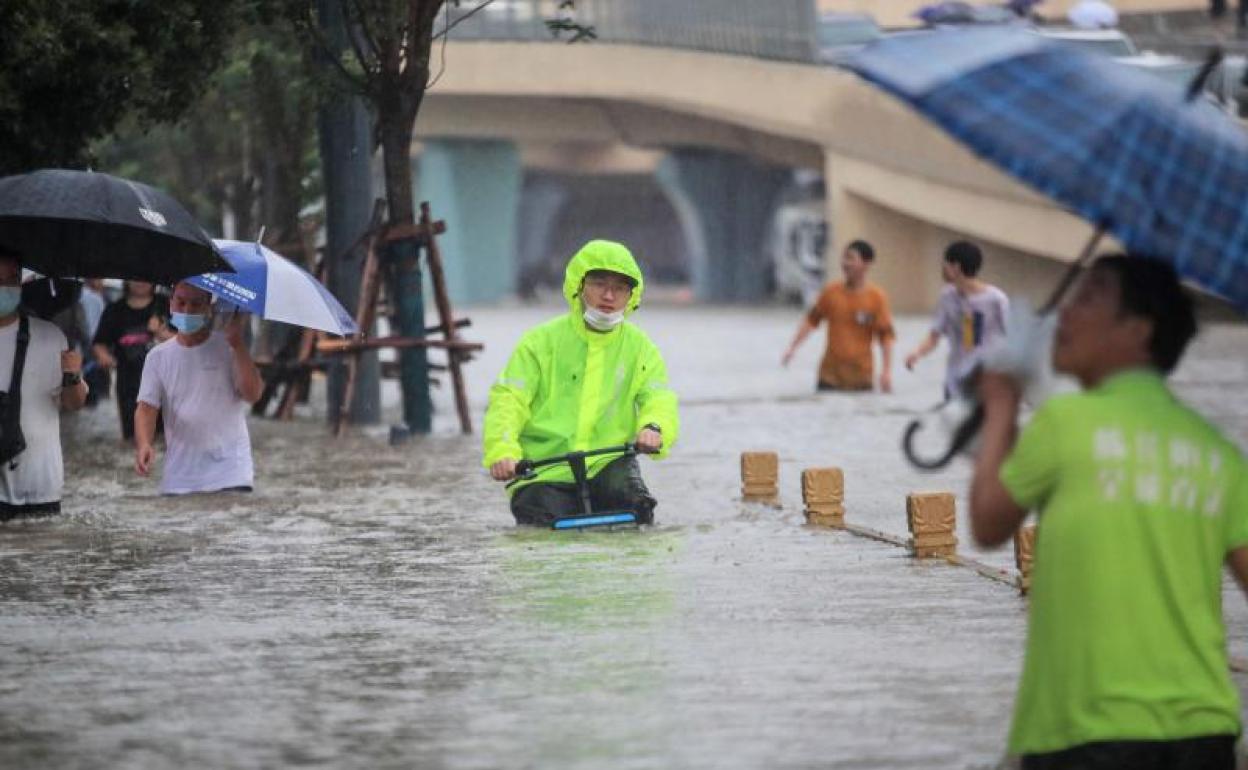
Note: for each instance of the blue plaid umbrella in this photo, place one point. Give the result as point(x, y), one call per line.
point(1126, 151)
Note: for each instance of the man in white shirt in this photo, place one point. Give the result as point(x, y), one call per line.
point(203, 383)
point(971, 314)
point(32, 474)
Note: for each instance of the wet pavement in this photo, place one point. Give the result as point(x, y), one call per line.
point(372, 606)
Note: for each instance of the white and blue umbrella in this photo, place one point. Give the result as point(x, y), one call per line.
point(273, 287)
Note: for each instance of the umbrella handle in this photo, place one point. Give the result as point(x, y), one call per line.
point(962, 437)
point(1072, 272)
point(1197, 86)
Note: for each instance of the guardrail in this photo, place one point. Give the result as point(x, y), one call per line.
point(776, 29)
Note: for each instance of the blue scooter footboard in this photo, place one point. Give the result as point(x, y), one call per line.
point(607, 519)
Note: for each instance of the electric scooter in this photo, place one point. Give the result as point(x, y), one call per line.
point(588, 517)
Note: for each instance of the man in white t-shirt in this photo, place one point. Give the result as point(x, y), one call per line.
point(971, 313)
point(31, 479)
point(203, 383)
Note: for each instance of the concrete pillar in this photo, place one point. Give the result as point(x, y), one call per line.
point(931, 517)
point(1024, 548)
point(542, 200)
point(475, 187)
point(823, 492)
point(725, 204)
point(345, 132)
point(760, 472)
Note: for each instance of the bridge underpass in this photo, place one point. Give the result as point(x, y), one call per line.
point(720, 135)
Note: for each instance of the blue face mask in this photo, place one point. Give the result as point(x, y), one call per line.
point(10, 298)
point(188, 323)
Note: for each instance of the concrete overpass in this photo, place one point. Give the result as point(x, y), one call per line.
point(719, 132)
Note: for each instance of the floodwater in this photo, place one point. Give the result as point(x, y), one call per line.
point(372, 606)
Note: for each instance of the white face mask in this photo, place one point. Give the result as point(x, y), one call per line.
point(603, 322)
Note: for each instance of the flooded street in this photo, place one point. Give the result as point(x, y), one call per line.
point(373, 606)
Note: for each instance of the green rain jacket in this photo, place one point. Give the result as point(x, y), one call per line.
point(568, 388)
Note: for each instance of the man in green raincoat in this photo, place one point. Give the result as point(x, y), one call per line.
point(585, 380)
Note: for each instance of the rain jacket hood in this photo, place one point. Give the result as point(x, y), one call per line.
point(567, 387)
point(602, 255)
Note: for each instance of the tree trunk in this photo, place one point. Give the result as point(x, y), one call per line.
point(403, 256)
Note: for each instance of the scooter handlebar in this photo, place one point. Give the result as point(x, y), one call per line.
point(525, 469)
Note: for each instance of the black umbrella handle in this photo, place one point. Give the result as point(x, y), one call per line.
point(962, 438)
point(1197, 86)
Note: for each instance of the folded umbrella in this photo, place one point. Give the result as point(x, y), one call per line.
point(65, 223)
point(271, 286)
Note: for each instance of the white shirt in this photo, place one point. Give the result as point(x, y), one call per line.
point(969, 323)
point(205, 417)
point(37, 475)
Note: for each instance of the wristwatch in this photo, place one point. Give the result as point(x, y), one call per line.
point(652, 426)
point(70, 379)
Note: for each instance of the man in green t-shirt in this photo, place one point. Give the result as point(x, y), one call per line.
point(1140, 502)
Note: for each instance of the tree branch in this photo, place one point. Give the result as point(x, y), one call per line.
point(363, 84)
point(415, 63)
point(370, 66)
point(365, 30)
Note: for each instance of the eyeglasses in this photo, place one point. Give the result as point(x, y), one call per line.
point(603, 285)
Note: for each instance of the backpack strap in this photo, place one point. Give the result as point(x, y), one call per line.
point(19, 363)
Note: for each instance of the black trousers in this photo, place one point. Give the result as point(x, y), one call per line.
point(617, 487)
point(8, 511)
point(127, 399)
point(1212, 752)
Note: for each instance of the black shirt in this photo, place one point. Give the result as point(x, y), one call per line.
point(123, 331)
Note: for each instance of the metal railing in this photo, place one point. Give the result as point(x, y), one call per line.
point(775, 29)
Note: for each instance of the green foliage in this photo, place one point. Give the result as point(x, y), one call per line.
point(71, 70)
point(246, 147)
point(566, 23)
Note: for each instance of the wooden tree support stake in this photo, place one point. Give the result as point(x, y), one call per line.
point(333, 347)
point(365, 311)
point(454, 353)
point(458, 351)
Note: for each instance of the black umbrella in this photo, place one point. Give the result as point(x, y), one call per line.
point(79, 223)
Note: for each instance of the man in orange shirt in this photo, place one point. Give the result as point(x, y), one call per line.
point(856, 313)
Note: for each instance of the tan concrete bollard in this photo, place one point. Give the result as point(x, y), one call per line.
point(760, 472)
point(823, 492)
point(932, 517)
point(1024, 547)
